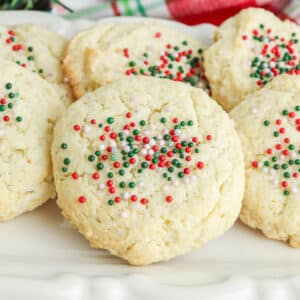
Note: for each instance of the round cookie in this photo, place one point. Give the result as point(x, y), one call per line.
point(148, 168)
point(38, 50)
point(29, 107)
point(109, 52)
point(268, 122)
point(250, 49)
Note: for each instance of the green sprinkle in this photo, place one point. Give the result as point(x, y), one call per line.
point(144, 165)
point(163, 150)
point(166, 137)
point(8, 86)
point(110, 175)
point(291, 147)
point(165, 175)
point(180, 174)
point(64, 169)
point(132, 63)
point(142, 122)
point(11, 95)
point(98, 153)
point(10, 105)
point(284, 166)
point(64, 146)
point(122, 184)
point(274, 158)
point(286, 174)
point(100, 125)
point(2, 108)
point(267, 163)
point(276, 166)
point(91, 158)
point(297, 108)
point(297, 161)
point(110, 202)
point(30, 48)
point(170, 169)
point(122, 172)
point(190, 123)
point(30, 58)
point(286, 193)
point(276, 134)
point(266, 122)
point(126, 164)
point(184, 43)
point(131, 184)
point(112, 158)
point(67, 161)
point(110, 120)
point(163, 120)
point(100, 166)
point(285, 112)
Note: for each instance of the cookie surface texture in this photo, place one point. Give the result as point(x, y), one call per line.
point(29, 108)
point(148, 168)
point(250, 50)
point(268, 122)
point(108, 52)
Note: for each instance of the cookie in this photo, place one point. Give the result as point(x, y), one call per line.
point(269, 125)
point(29, 107)
point(109, 52)
point(38, 50)
point(148, 168)
point(250, 49)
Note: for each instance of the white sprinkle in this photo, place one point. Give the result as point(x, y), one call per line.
point(152, 142)
point(159, 136)
point(272, 172)
point(282, 157)
point(123, 144)
point(293, 154)
point(126, 195)
point(113, 144)
point(124, 214)
point(144, 152)
point(1, 132)
point(152, 126)
point(260, 164)
point(101, 147)
point(294, 190)
point(187, 180)
point(166, 131)
point(161, 142)
point(147, 146)
point(275, 181)
point(141, 183)
point(127, 149)
point(101, 186)
point(151, 152)
point(194, 177)
point(147, 132)
point(182, 135)
point(86, 129)
point(176, 182)
point(166, 188)
point(254, 110)
point(126, 132)
point(266, 170)
point(177, 131)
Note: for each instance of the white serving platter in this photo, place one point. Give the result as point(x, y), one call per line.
point(42, 257)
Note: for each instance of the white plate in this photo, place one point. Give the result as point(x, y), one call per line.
point(42, 257)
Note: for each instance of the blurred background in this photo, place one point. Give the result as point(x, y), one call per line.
point(187, 11)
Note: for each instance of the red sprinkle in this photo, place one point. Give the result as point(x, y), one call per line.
point(75, 176)
point(169, 199)
point(82, 199)
point(200, 165)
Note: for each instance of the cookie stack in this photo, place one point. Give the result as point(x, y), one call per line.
point(145, 163)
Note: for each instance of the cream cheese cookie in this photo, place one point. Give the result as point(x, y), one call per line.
point(29, 107)
point(250, 49)
point(148, 168)
point(268, 122)
point(108, 52)
point(38, 50)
